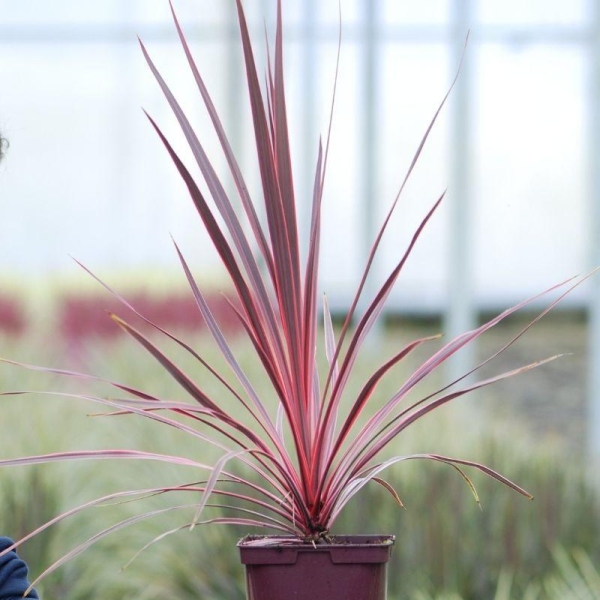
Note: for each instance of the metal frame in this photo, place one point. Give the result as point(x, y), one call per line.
point(593, 391)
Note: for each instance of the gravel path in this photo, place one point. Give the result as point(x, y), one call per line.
point(550, 401)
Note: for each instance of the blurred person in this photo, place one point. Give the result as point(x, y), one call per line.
point(13, 574)
point(3, 146)
point(13, 570)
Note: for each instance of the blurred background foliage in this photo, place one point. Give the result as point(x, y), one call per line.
point(71, 95)
point(447, 548)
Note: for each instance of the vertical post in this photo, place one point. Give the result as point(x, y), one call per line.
point(368, 168)
point(594, 207)
point(368, 159)
point(235, 77)
point(122, 202)
point(460, 315)
point(309, 127)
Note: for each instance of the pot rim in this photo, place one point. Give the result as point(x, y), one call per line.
point(337, 541)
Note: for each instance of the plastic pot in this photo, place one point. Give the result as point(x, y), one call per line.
point(352, 567)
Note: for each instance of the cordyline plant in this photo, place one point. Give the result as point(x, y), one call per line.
point(301, 483)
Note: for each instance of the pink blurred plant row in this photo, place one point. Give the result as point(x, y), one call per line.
point(80, 317)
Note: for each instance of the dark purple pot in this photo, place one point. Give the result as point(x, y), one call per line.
point(352, 567)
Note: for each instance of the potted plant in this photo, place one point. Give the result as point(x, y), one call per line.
point(311, 454)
